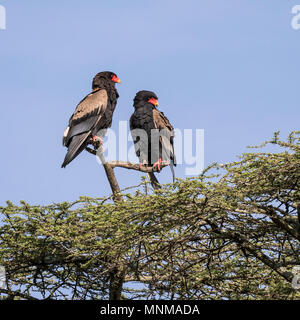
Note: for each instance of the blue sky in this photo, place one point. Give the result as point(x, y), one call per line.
point(228, 67)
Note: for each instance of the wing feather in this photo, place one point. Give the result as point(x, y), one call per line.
point(83, 123)
point(89, 106)
point(167, 138)
point(87, 114)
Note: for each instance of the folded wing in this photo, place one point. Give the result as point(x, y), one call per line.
point(167, 135)
point(84, 123)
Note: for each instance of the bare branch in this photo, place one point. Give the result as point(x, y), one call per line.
point(127, 165)
point(134, 166)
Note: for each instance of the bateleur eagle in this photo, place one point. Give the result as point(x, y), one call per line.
point(92, 114)
point(157, 146)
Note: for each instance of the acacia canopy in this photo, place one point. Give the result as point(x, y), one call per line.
point(231, 233)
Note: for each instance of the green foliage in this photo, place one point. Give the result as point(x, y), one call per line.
point(231, 233)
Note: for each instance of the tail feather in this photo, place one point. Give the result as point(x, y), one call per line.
point(172, 164)
point(154, 182)
point(75, 147)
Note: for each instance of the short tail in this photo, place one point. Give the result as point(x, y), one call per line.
point(76, 146)
point(154, 182)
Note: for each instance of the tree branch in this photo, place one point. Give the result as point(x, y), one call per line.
point(244, 243)
point(117, 275)
point(135, 166)
point(126, 165)
point(13, 294)
point(109, 173)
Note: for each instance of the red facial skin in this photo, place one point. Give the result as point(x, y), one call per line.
point(115, 79)
point(153, 101)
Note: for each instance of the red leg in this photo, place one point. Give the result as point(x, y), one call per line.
point(97, 139)
point(96, 142)
point(157, 164)
point(144, 163)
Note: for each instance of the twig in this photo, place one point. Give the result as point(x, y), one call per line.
point(14, 294)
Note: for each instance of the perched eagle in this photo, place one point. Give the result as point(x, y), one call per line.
point(157, 145)
point(92, 114)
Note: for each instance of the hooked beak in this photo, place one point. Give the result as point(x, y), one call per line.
point(115, 79)
point(153, 101)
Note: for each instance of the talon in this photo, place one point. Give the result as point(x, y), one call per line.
point(97, 139)
point(143, 164)
point(96, 142)
point(157, 164)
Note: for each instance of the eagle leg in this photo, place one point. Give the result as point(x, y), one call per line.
point(157, 164)
point(96, 142)
point(144, 163)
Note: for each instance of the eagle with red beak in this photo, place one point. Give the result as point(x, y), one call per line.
point(92, 114)
point(156, 146)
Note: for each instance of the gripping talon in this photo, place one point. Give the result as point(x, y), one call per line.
point(157, 164)
point(143, 164)
point(96, 142)
point(97, 139)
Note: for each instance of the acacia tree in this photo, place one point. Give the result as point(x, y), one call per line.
point(231, 233)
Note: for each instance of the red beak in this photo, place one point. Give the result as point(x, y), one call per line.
point(115, 79)
point(153, 101)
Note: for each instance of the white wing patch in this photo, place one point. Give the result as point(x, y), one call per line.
point(65, 135)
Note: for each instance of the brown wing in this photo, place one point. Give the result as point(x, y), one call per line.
point(84, 123)
point(86, 115)
point(162, 123)
point(92, 104)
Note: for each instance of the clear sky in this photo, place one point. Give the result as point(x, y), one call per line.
point(228, 67)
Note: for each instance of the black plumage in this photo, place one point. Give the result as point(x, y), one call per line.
point(92, 114)
point(157, 145)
